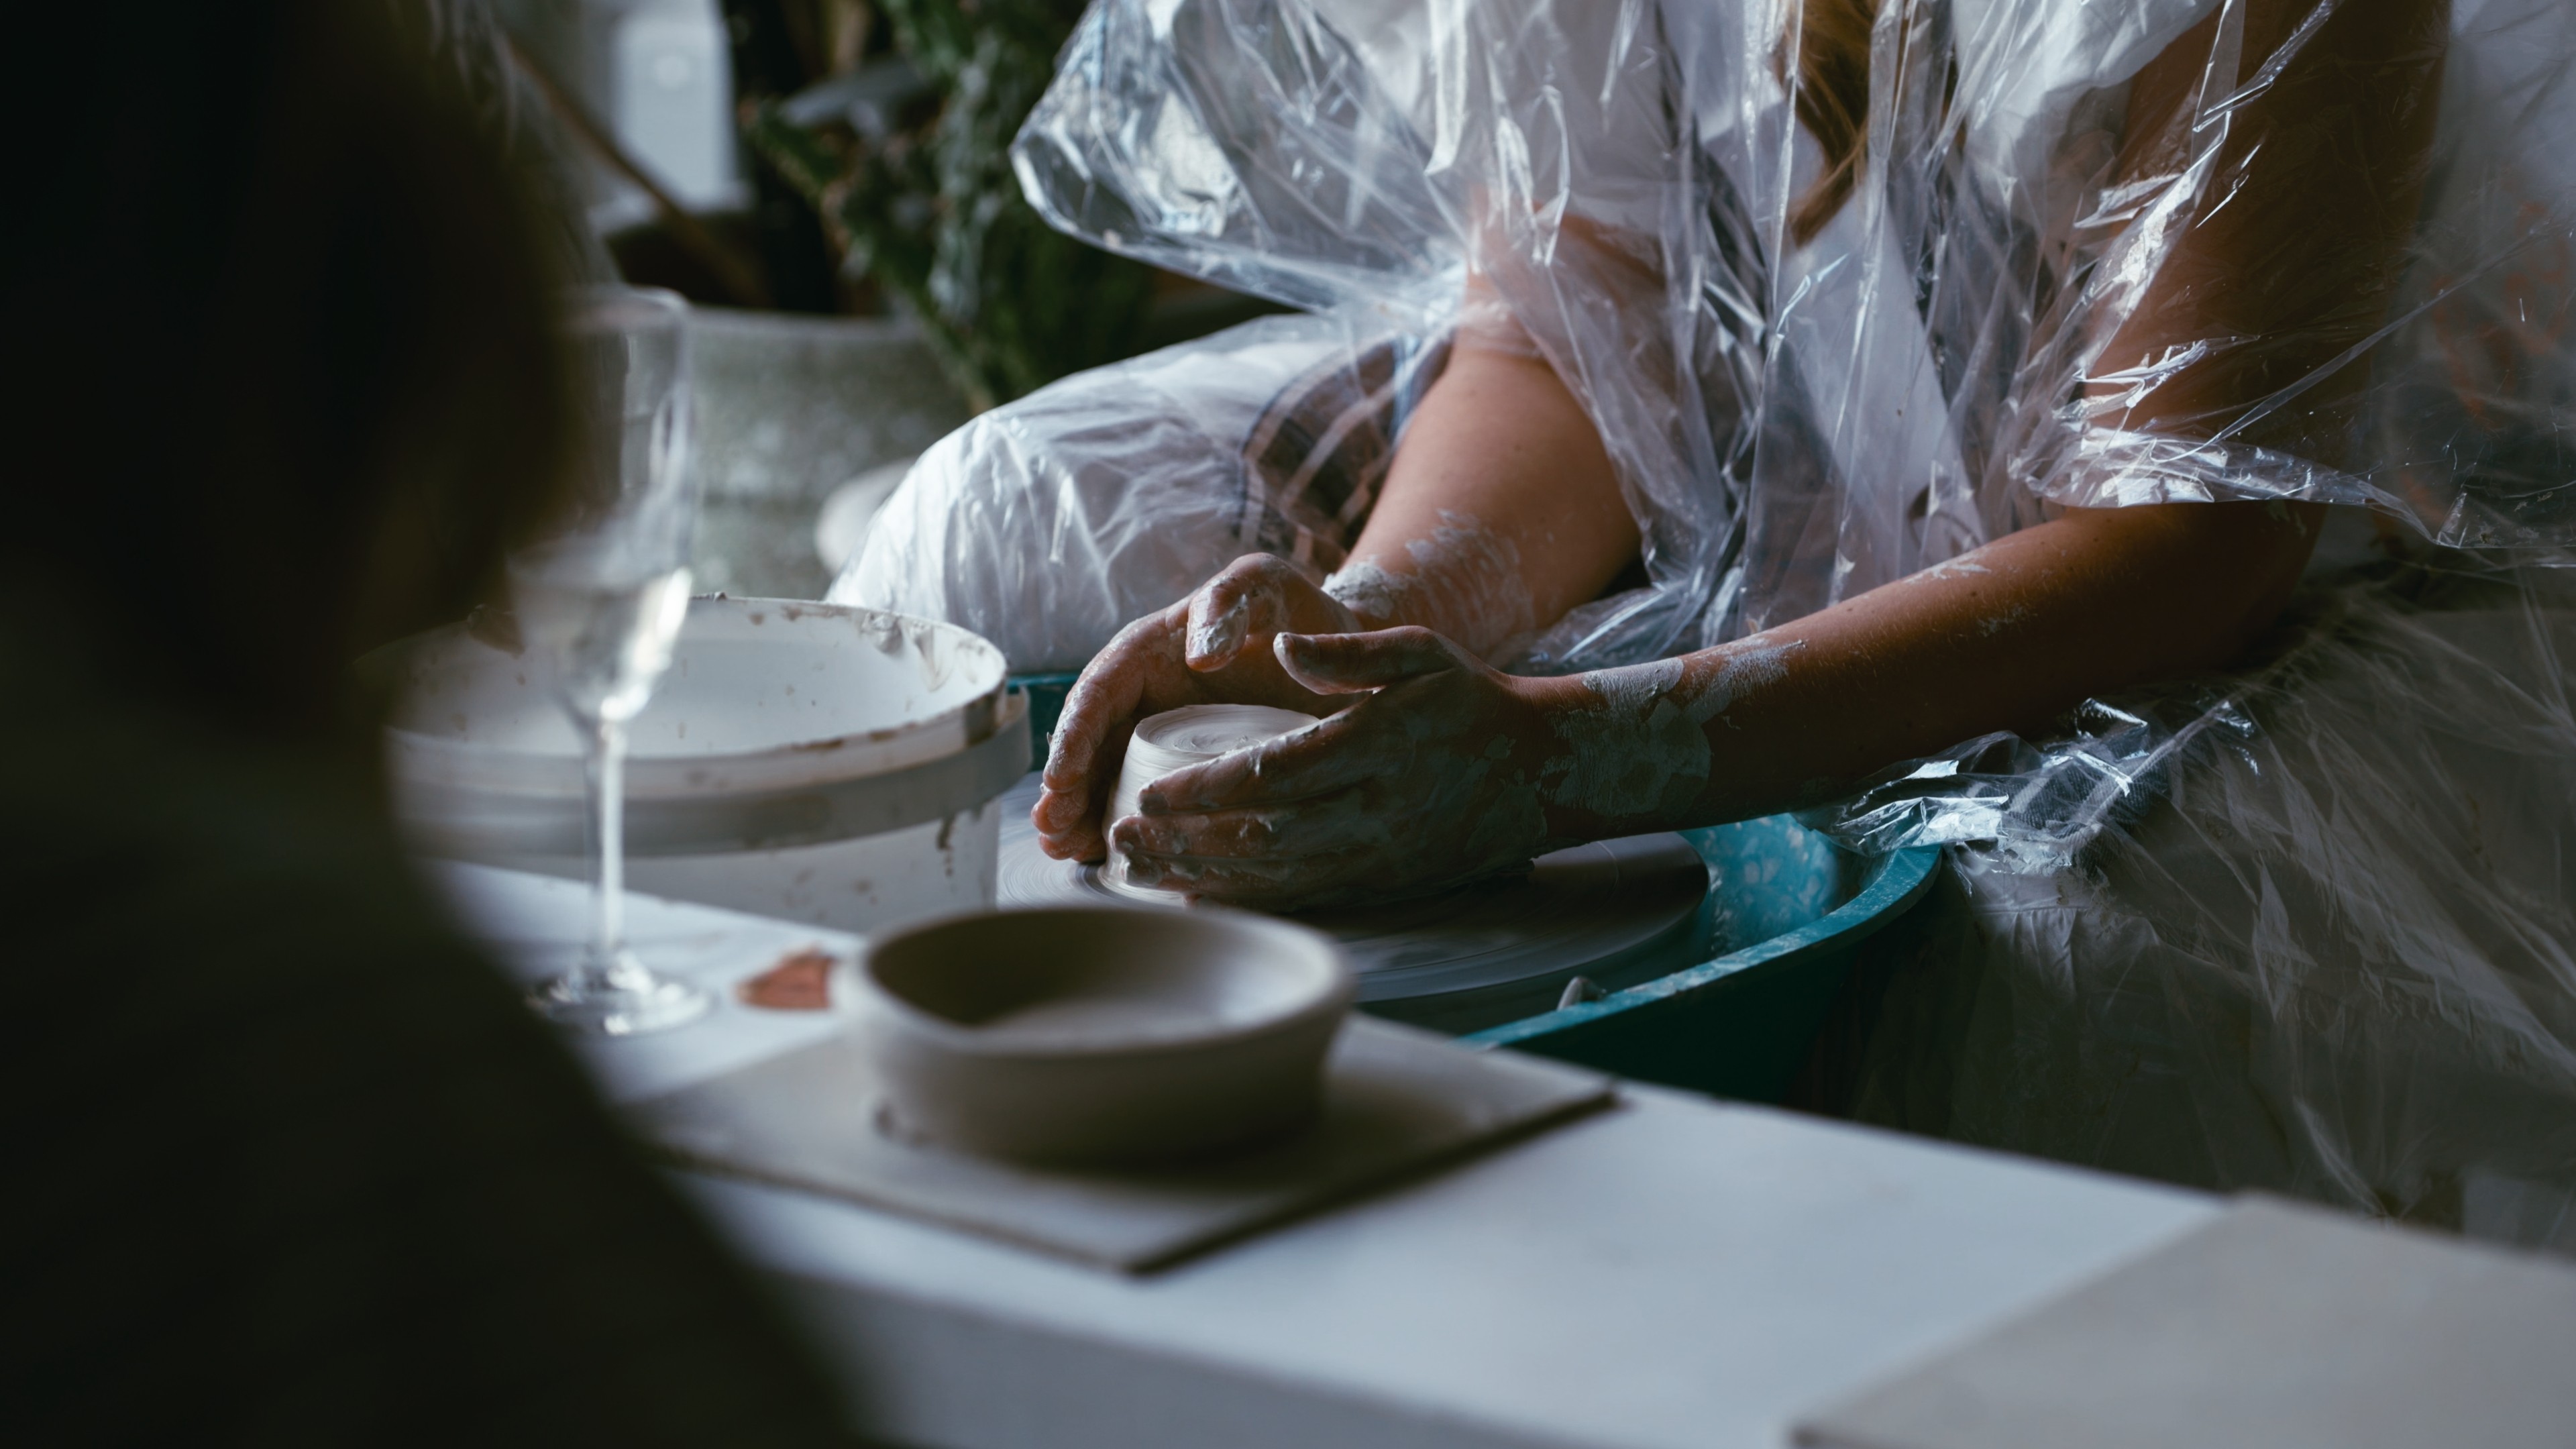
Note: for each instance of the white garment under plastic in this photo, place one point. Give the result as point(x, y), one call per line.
point(1048, 524)
point(2322, 940)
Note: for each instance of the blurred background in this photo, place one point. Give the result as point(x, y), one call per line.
point(829, 181)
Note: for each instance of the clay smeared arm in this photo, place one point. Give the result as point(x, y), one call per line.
point(2006, 637)
point(1451, 768)
point(1501, 510)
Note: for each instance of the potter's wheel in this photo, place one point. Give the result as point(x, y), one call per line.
point(1495, 950)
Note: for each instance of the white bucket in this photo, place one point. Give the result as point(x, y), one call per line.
point(814, 762)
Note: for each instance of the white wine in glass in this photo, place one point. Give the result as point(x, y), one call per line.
point(600, 604)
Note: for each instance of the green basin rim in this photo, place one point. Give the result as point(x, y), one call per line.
point(1898, 885)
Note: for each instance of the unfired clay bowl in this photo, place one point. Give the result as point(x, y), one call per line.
point(1082, 1035)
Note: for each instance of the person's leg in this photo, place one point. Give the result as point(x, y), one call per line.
point(1048, 524)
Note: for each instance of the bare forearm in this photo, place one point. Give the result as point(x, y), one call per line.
point(2005, 637)
point(1499, 513)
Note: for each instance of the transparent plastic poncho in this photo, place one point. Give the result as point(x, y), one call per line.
point(2310, 926)
point(1794, 424)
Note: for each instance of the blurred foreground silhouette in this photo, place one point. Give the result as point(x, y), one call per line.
point(289, 1162)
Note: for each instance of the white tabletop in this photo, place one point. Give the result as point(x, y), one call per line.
point(1675, 1272)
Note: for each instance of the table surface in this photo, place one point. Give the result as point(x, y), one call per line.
point(1678, 1271)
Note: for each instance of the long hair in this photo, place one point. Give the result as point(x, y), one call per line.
point(1832, 87)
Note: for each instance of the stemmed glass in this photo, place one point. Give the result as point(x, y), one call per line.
point(600, 602)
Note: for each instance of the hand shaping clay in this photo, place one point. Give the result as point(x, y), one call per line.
point(1179, 738)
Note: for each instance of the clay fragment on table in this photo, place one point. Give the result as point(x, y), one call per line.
point(801, 981)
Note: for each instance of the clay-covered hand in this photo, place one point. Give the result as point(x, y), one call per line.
point(1210, 648)
point(1435, 777)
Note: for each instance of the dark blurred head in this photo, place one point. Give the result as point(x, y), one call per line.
point(275, 378)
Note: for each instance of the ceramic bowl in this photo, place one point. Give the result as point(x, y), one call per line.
point(1097, 1034)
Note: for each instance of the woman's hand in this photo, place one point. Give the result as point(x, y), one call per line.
point(1435, 777)
point(1213, 647)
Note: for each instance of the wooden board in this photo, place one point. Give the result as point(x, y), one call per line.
point(1396, 1102)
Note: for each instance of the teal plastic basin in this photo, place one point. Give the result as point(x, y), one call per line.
point(1791, 914)
point(1046, 694)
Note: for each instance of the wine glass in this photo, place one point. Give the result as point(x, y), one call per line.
point(600, 602)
